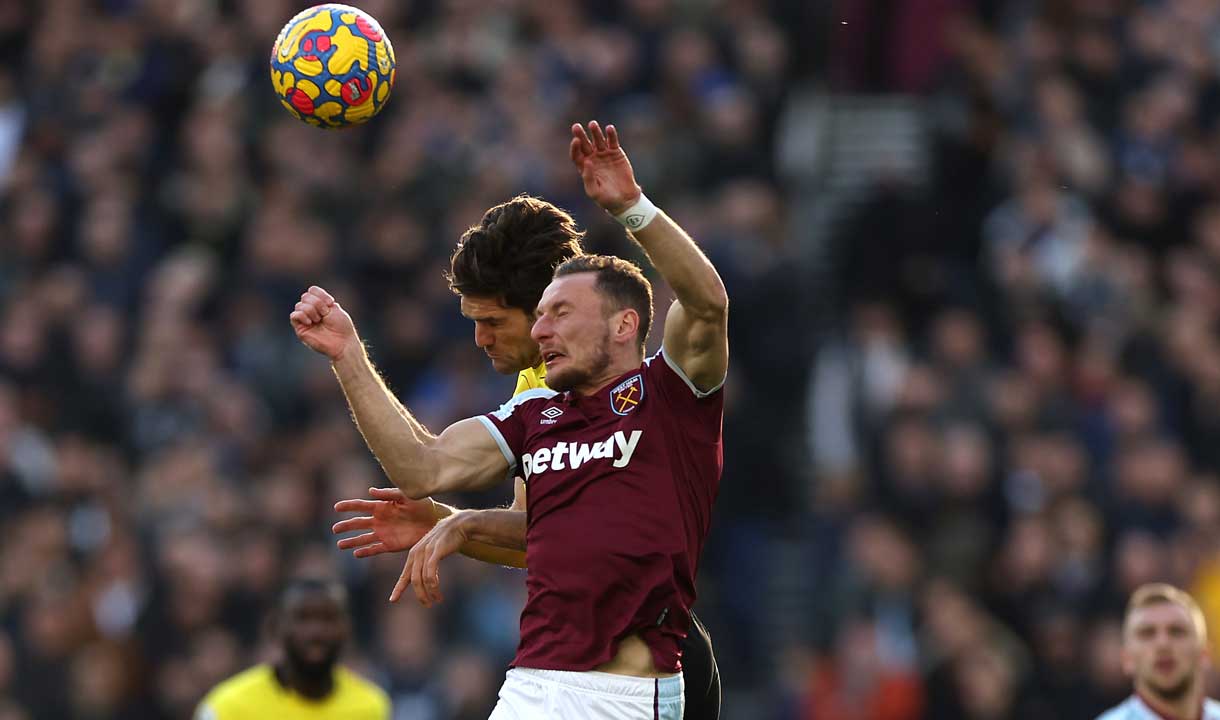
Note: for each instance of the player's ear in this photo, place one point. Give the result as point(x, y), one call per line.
point(1128, 662)
point(626, 325)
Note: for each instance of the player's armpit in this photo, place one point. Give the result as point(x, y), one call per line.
point(698, 345)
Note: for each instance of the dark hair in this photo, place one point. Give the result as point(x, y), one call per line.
point(513, 251)
point(620, 281)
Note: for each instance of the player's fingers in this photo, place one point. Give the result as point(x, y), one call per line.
point(612, 137)
point(370, 550)
point(310, 310)
point(578, 133)
point(363, 522)
point(599, 138)
point(404, 579)
point(322, 294)
point(432, 574)
point(299, 319)
point(417, 570)
point(355, 542)
point(575, 151)
point(391, 494)
point(357, 505)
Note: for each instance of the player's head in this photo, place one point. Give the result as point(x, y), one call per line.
point(595, 314)
point(312, 624)
point(1164, 642)
point(500, 268)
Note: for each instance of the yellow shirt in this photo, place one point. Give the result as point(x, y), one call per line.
point(531, 378)
point(256, 694)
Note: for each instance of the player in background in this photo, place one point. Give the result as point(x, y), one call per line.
point(499, 270)
point(306, 682)
point(616, 524)
point(1165, 653)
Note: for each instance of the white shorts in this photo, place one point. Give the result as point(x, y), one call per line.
point(529, 694)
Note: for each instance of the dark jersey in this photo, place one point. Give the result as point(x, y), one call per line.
point(620, 489)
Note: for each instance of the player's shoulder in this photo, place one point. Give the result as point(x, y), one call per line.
point(225, 701)
point(661, 365)
point(357, 692)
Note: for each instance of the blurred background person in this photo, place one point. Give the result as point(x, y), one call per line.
point(311, 626)
point(1165, 654)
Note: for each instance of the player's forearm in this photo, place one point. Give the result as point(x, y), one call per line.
point(512, 554)
point(692, 276)
point(494, 555)
point(398, 440)
point(500, 528)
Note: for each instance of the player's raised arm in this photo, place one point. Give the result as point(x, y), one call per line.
point(464, 456)
point(696, 328)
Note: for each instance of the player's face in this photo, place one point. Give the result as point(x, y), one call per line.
point(502, 332)
point(572, 331)
point(314, 629)
point(1162, 651)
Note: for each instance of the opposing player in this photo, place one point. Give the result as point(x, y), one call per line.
point(1165, 653)
point(499, 270)
point(622, 459)
point(306, 682)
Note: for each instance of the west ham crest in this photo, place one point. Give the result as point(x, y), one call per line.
point(628, 395)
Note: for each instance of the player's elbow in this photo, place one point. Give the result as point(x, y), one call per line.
point(416, 479)
point(714, 310)
point(412, 484)
point(715, 300)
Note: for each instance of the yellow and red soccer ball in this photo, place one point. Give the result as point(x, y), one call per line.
point(332, 66)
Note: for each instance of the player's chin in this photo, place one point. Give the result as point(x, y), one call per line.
point(561, 379)
point(504, 367)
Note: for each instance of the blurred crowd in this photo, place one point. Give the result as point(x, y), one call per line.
point(169, 453)
point(1018, 409)
point(1007, 426)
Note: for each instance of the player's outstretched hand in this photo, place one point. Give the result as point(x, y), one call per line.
point(422, 569)
point(604, 167)
point(322, 324)
point(394, 522)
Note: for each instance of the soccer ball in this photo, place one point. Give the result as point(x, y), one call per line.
point(332, 66)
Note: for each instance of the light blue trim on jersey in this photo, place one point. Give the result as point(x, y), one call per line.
point(1134, 709)
point(682, 374)
point(502, 443)
point(506, 410)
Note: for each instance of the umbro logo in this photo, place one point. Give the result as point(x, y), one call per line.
point(551, 415)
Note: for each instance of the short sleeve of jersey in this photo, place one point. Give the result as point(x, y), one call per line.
point(507, 425)
point(680, 393)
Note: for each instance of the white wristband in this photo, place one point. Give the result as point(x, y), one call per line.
point(638, 215)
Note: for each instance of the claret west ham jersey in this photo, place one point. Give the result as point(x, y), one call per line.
point(620, 490)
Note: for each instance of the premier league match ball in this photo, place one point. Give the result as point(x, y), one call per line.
point(332, 66)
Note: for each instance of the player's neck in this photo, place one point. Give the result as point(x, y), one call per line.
point(314, 685)
point(1187, 707)
point(609, 375)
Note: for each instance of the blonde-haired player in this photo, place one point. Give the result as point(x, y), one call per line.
point(1165, 653)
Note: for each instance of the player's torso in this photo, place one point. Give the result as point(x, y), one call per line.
point(599, 472)
point(257, 695)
